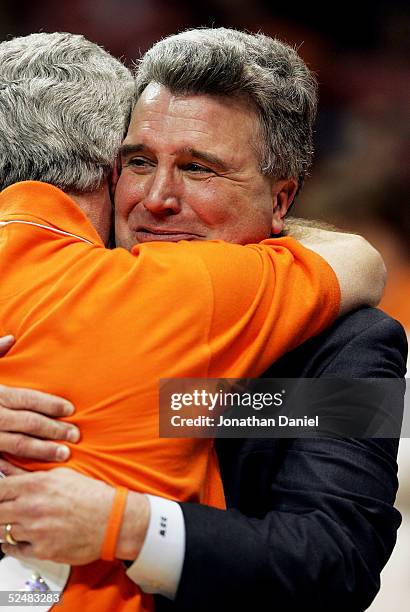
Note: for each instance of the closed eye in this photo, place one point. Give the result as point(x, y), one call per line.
point(196, 168)
point(139, 163)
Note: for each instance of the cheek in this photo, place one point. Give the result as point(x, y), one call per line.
point(249, 215)
point(260, 208)
point(124, 201)
point(127, 194)
point(123, 235)
point(259, 220)
point(213, 205)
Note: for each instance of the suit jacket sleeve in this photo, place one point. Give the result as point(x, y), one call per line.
point(311, 522)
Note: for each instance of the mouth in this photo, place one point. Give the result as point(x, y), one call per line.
point(146, 234)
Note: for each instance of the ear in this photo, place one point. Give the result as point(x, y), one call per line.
point(283, 194)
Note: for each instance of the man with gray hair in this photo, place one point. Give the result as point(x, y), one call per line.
point(258, 98)
point(73, 138)
point(201, 161)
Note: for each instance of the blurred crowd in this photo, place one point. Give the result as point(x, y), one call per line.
point(360, 180)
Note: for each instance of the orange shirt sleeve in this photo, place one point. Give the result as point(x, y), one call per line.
point(256, 302)
point(267, 299)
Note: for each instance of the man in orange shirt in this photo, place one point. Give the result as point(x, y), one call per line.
point(64, 284)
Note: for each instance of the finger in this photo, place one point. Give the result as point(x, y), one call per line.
point(28, 399)
point(8, 469)
point(17, 532)
point(31, 448)
point(8, 490)
point(23, 421)
point(21, 551)
point(6, 342)
point(12, 489)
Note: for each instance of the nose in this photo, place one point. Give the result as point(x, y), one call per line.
point(161, 195)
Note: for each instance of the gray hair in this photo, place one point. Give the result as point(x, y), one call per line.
point(64, 109)
point(265, 71)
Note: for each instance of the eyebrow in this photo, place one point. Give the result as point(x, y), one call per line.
point(130, 149)
point(201, 155)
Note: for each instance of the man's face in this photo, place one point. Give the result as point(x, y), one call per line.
point(190, 172)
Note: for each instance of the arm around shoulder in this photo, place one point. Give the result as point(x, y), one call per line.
point(358, 266)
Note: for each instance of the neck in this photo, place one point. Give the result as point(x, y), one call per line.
point(96, 205)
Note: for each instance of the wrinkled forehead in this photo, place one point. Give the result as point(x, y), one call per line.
point(227, 123)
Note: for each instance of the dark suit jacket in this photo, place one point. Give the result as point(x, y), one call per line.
point(310, 522)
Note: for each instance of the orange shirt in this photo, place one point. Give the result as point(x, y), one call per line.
point(100, 327)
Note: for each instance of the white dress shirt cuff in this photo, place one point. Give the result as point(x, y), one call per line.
point(158, 567)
